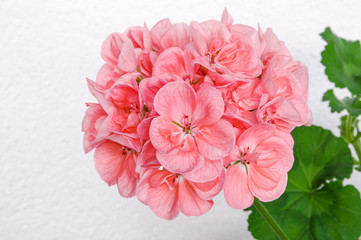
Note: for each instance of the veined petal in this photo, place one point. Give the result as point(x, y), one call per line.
point(265, 184)
point(175, 100)
point(207, 171)
point(127, 57)
point(236, 190)
point(177, 35)
point(109, 161)
point(210, 106)
point(126, 185)
point(208, 190)
point(254, 136)
point(275, 154)
point(164, 134)
point(189, 202)
point(178, 161)
point(215, 141)
point(163, 201)
point(170, 61)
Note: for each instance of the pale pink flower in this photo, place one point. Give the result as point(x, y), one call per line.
point(120, 117)
point(189, 127)
point(286, 78)
point(116, 164)
point(178, 104)
point(235, 51)
point(272, 46)
point(245, 95)
point(167, 193)
point(257, 167)
point(94, 127)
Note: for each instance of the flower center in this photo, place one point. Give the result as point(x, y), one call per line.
point(267, 118)
point(185, 124)
point(211, 57)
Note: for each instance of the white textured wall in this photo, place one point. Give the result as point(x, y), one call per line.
point(48, 188)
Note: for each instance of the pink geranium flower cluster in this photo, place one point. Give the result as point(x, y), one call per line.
point(185, 111)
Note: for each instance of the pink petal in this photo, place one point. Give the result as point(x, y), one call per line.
point(215, 141)
point(158, 31)
point(147, 157)
point(208, 190)
point(109, 161)
point(255, 135)
point(111, 48)
point(128, 180)
point(149, 87)
point(275, 154)
point(143, 128)
point(236, 191)
point(143, 185)
point(126, 141)
point(163, 201)
point(266, 185)
point(178, 161)
point(147, 39)
point(182, 98)
point(164, 134)
point(189, 202)
point(207, 171)
point(105, 76)
point(100, 96)
point(176, 36)
point(210, 106)
point(227, 19)
point(127, 57)
point(170, 61)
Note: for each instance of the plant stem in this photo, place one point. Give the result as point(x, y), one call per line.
point(270, 220)
point(357, 146)
point(350, 138)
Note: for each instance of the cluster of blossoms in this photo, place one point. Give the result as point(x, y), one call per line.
point(185, 111)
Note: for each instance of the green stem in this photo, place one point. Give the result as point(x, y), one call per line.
point(357, 146)
point(270, 220)
point(350, 138)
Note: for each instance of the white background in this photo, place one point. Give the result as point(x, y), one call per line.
point(48, 188)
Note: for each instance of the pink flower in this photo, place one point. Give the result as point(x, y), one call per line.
point(184, 109)
point(235, 51)
point(167, 193)
point(272, 46)
point(189, 129)
point(116, 164)
point(94, 127)
point(257, 166)
point(288, 79)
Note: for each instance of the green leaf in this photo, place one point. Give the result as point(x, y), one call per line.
point(352, 105)
point(342, 60)
point(313, 207)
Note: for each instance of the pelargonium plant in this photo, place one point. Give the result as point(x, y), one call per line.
point(184, 111)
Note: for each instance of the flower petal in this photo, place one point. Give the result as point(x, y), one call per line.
point(255, 135)
point(265, 184)
point(163, 201)
point(164, 134)
point(178, 161)
point(109, 161)
point(127, 57)
point(210, 189)
point(189, 202)
point(236, 191)
point(182, 98)
point(215, 141)
point(210, 106)
point(207, 171)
